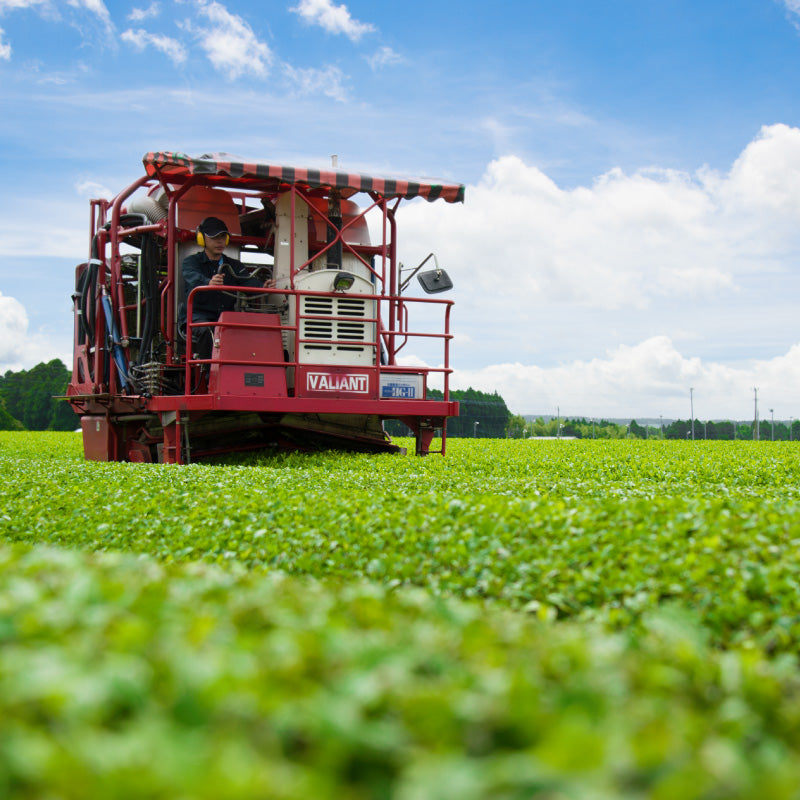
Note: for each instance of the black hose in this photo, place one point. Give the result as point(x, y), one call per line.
point(153, 290)
point(86, 302)
point(149, 290)
point(77, 298)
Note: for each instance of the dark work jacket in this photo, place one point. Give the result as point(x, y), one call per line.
point(197, 270)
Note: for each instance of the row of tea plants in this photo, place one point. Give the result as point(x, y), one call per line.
point(518, 619)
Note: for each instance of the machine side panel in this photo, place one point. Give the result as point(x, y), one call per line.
point(98, 439)
point(254, 349)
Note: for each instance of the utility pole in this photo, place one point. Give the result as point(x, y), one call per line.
point(691, 401)
point(755, 423)
point(772, 422)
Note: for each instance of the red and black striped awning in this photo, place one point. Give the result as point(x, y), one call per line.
point(271, 177)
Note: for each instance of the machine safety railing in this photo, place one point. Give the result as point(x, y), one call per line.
point(382, 334)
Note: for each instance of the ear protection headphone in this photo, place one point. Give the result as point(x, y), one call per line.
point(201, 240)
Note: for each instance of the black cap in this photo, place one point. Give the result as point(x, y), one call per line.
point(212, 226)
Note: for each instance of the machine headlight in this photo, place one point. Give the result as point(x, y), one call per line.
point(342, 281)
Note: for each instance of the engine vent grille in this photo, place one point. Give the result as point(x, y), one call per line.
point(339, 327)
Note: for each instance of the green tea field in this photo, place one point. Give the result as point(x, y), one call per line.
point(519, 619)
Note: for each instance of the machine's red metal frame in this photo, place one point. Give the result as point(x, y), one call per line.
point(122, 423)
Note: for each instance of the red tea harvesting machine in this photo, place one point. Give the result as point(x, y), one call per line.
point(304, 356)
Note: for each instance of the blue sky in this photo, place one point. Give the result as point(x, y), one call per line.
point(632, 169)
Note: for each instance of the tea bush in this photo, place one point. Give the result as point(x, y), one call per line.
point(610, 619)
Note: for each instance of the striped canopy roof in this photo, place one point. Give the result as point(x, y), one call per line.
point(221, 167)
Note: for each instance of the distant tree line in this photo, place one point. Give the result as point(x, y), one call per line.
point(779, 431)
point(519, 426)
point(578, 428)
point(27, 399)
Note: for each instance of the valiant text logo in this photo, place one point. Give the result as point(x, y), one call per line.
point(328, 382)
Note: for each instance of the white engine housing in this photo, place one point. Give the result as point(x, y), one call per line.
point(338, 324)
point(341, 326)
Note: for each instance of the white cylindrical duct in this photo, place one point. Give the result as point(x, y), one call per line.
point(149, 207)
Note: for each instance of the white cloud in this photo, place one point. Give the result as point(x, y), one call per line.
point(13, 326)
point(50, 10)
point(793, 7)
point(16, 5)
point(22, 235)
point(141, 39)
point(40, 74)
point(628, 240)
point(91, 190)
point(545, 274)
point(20, 348)
point(98, 9)
point(140, 14)
point(328, 81)
point(332, 18)
point(55, 79)
point(647, 379)
point(384, 57)
point(44, 7)
point(230, 43)
point(761, 187)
